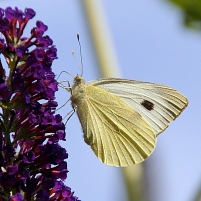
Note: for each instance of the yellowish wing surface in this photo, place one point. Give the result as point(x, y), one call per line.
point(117, 133)
point(157, 104)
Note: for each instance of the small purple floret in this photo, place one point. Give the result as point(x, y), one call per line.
point(29, 13)
point(17, 197)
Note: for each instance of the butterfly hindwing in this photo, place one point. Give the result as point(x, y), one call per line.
point(117, 133)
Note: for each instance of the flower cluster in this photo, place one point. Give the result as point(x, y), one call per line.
point(32, 162)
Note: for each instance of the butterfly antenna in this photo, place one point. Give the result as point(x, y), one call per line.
point(78, 39)
point(77, 61)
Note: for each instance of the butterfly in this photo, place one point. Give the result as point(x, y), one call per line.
point(122, 118)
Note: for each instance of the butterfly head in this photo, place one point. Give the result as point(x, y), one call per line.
point(78, 80)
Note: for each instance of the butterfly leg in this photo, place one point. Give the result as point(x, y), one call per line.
point(71, 114)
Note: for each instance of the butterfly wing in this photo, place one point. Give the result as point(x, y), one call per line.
point(157, 104)
point(118, 135)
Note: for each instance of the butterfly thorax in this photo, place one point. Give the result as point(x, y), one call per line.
point(78, 89)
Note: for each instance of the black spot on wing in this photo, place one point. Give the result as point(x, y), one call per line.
point(147, 104)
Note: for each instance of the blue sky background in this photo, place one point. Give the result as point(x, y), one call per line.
point(151, 45)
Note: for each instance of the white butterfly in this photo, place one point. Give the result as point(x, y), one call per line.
point(121, 118)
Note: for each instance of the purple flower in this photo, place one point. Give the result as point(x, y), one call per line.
point(32, 161)
point(16, 197)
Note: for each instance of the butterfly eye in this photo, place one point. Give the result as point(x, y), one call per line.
point(147, 104)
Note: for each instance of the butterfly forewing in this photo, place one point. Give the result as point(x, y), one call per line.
point(158, 104)
point(117, 133)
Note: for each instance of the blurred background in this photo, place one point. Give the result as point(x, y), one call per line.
point(157, 41)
